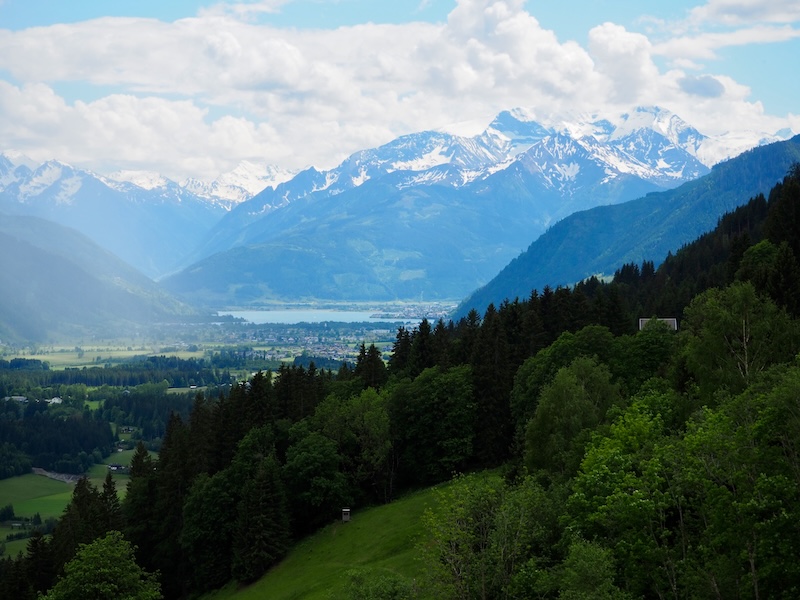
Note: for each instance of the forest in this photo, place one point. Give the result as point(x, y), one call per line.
point(589, 458)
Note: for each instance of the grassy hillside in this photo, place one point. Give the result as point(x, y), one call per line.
point(378, 540)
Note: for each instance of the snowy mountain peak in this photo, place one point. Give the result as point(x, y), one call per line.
point(661, 121)
point(254, 177)
point(147, 180)
point(60, 179)
point(244, 182)
point(18, 159)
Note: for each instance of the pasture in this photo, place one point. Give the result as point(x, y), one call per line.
point(31, 494)
point(381, 539)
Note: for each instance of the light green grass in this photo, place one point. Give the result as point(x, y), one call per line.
point(62, 357)
point(188, 390)
point(15, 547)
point(30, 494)
point(383, 538)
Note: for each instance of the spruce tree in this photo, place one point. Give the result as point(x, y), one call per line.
point(262, 531)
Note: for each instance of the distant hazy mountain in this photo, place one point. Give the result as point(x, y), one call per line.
point(144, 218)
point(148, 228)
point(433, 214)
point(56, 283)
point(600, 240)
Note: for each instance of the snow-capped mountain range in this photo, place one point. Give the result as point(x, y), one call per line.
point(526, 172)
point(435, 213)
point(649, 143)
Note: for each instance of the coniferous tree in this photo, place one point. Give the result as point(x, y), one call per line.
point(112, 508)
point(201, 432)
point(370, 367)
point(401, 352)
point(421, 356)
point(81, 522)
point(465, 335)
point(209, 516)
point(784, 284)
point(262, 532)
point(139, 507)
point(442, 340)
point(173, 479)
point(493, 378)
point(40, 563)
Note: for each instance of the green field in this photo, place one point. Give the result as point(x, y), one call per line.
point(63, 357)
point(31, 494)
point(379, 539)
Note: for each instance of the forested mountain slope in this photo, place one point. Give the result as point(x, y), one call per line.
point(599, 240)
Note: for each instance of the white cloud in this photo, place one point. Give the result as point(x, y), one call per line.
point(244, 10)
point(195, 96)
point(704, 46)
point(740, 12)
point(625, 58)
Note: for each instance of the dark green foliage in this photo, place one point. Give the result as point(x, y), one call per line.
point(40, 562)
point(433, 419)
point(314, 482)
point(139, 507)
point(208, 528)
point(378, 585)
point(173, 479)
point(111, 514)
point(569, 409)
point(492, 378)
point(261, 536)
point(105, 570)
point(82, 522)
point(736, 335)
point(50, 441)
point(370, 367)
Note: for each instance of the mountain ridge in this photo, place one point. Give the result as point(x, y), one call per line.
point(523, 175)
point(599, 240)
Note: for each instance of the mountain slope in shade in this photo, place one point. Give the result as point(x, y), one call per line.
point(58, 284)
point(600, 240)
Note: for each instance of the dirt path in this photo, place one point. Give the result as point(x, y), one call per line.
point(65, 477)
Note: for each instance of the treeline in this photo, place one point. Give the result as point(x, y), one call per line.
point(63, 440)
point(647, 463)
point(146, 407)
point(176, 371)
point(28, 364)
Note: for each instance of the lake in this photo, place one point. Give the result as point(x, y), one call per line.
point(310, 315)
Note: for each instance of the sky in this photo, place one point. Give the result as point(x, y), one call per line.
point(191, 88)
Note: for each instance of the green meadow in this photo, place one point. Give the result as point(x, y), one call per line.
point(381, 539)
point(31, 494)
